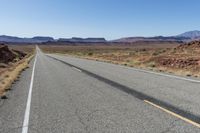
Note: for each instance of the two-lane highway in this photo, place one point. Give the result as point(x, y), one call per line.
point(77, 95)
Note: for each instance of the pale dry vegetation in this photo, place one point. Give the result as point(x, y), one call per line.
point(14, 60)
point(180, 59)
point(9, 75)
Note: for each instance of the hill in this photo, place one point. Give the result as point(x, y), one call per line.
point(7, 55)
point(157, 38)
point(184, 37)
point(191, 34)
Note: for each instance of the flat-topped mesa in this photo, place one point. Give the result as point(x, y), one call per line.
point(43, 39)
point(80, 40)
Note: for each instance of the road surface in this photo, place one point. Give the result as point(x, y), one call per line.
point(60, 94)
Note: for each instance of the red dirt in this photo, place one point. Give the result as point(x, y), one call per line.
point(178, 63)
point(185, 56)
point(190, 45)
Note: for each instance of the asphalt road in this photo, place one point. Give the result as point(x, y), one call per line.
point(71, 95)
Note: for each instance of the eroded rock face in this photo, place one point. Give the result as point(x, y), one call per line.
point(186, 56)
point(191, 45)
point(179, 63)
point(7, 55)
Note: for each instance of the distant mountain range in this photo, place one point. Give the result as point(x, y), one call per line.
point(41, 39)
point(37, 39)
point(157, 38)
point(184, 37)
point(191, 34)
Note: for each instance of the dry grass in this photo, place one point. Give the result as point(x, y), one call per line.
point(149, 56)
point(11, 74)
point(29, 49)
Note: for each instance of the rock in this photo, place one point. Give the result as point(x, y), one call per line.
point(7, 55)
point(4, 96)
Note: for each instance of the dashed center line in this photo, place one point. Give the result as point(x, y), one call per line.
point(166, 107)
point(77, 69)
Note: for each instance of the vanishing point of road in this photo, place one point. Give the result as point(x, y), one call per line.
point(63, 94)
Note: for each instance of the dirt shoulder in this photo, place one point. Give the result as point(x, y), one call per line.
point(12, 63)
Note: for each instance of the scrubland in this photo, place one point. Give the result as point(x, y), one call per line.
point(180, 59)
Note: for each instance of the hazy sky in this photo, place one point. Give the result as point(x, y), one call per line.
point(98, 18)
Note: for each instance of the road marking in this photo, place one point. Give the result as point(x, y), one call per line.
point(163, 74)
point(151, 72)
point(28, 105)
point(77, 69)
point(139, 95)
point(174, 114)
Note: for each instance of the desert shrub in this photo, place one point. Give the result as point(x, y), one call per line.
point(131, 53)
point(90, 53)
point(151, 64)
point(163, 51)
point(159, 52)
point(143, 50)
point(155, 53)
point(188, 75)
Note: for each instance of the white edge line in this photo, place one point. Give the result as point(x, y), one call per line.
point(28, 105)
point(146, 71)
point(166, 75)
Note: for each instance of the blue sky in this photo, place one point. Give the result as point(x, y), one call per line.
point(98, 18)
